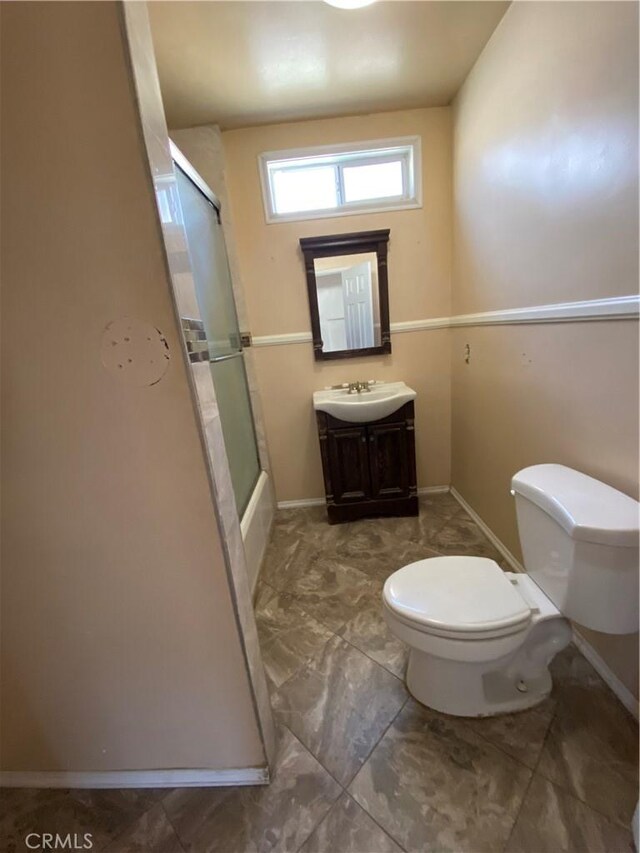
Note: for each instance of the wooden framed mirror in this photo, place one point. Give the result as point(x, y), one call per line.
point(348, 294)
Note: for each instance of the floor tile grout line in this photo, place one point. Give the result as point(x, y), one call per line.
point(288, 562)
point(547, 733)
point(571, 792)
point(566, 790)
point(373, 747)
point(307, 664)
point(272, 592)
point(502, 749)
point(312, 753)
point(377, 743)
point(310, 667)
point(442, 527)
point(125, 828)
point(521, 806)
point(567, 793)
point(368, 755)
point(319, 823)
point(171, 824)
point(532, 771)
point(373, 660)
point(433, 808)
point(379, 825)
point(305, 611)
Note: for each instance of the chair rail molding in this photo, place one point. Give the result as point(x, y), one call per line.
point(588, 310)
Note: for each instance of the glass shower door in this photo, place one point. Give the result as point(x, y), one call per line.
point(214, 292)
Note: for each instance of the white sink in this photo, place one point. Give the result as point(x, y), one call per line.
point(383, 399)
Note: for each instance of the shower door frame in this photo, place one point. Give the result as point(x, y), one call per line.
point(182, 163)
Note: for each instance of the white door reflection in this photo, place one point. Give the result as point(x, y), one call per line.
point(348, 301)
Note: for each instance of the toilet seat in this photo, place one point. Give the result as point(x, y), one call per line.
point(463, 598)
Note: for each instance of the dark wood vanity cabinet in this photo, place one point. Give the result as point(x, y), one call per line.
point(369, 469)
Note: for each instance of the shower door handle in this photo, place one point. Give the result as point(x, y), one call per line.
point(217, 358)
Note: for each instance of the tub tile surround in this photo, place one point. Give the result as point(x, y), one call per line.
point(360, 766)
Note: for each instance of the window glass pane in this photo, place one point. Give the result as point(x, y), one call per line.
point(304, 189)
point(379, 180)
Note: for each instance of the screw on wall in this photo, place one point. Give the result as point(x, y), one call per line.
point(467, 353)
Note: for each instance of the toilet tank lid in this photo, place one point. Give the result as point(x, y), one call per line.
point(586, 508)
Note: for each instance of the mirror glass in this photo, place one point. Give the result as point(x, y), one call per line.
point(348, 289)
point(348, 301)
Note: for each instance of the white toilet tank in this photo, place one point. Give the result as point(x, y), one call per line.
point(579, 539)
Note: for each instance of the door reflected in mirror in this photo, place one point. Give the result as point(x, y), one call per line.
point(348, 301)
point(348, 293)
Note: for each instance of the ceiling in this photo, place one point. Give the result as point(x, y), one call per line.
point(244, 63)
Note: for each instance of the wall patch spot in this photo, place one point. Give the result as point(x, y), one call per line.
point(134, 351)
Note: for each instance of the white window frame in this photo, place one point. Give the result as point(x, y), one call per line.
point(354, 153)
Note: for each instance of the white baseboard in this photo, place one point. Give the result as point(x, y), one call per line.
point(135, 778)
point(516, 565)
point(606, 674)
point(433, 490)
point(425, 490)
point(301, 502)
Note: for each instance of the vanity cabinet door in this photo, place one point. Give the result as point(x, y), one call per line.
point(349, 464)
point(389, 461)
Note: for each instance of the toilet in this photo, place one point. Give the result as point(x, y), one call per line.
point(481, 640)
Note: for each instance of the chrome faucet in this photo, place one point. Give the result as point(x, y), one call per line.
point(358, 387)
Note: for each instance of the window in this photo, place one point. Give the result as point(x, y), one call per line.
point(338, 180)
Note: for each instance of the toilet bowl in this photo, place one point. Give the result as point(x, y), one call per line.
point(481, 640)
point(484, 653)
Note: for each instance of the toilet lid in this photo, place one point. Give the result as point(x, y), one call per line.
point(459, 594)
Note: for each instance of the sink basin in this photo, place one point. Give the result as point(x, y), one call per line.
point(383, 399)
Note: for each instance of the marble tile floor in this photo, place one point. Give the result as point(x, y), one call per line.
point(362, 767)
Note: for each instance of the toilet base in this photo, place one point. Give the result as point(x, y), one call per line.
point(482, 688)
point(483, 677)
point(464, 689)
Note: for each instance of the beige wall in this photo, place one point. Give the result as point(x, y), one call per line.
point(272, 271)
point(545, 201)
point(120, 649)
